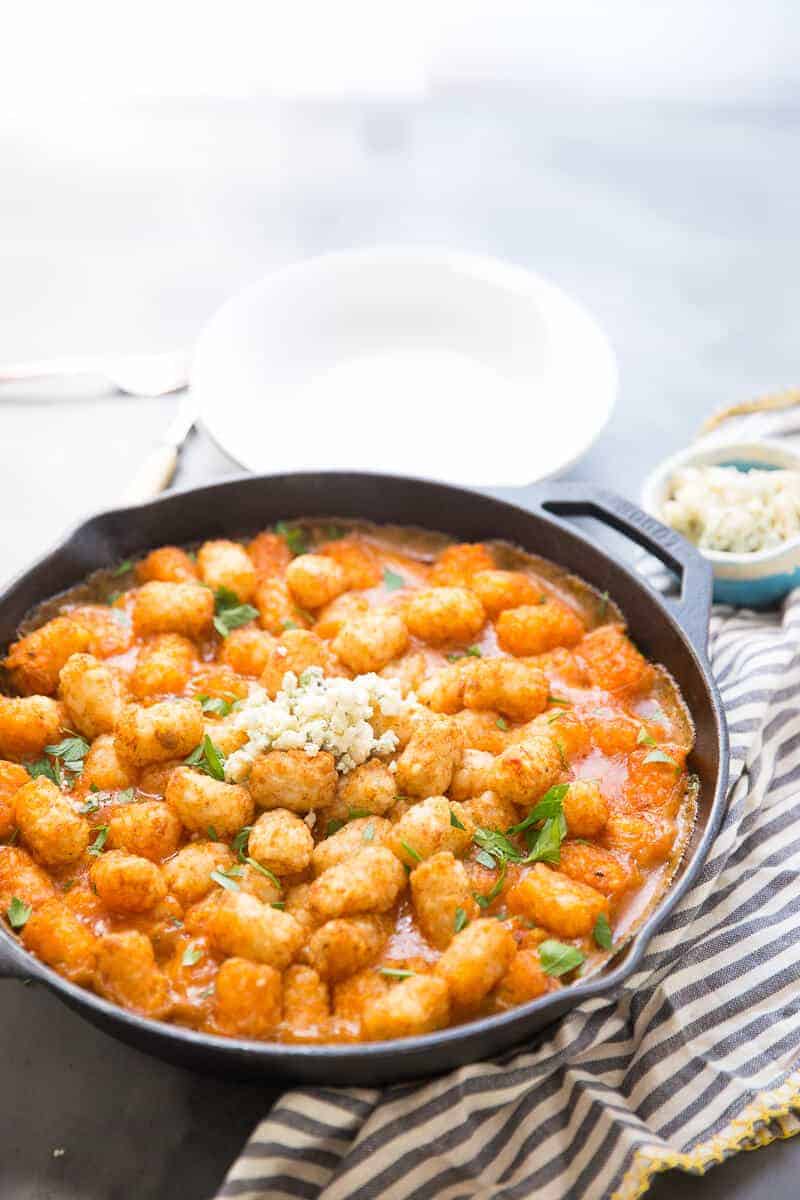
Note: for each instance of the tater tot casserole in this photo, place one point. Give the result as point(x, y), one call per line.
point(335, 783)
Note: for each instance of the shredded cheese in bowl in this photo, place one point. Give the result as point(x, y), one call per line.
point(315, 713)
point(740, 512)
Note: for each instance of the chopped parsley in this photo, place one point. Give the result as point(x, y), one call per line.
point(229, 612)
point(227, 879)
point(602, 607)
point(215, 705)
point(559, 959)
point(460, 920)
point(209, 759)
point(602, 933)
point(395, 972)
point(502, 723)
point(454, 821)
point(658, 756)
point(392, 581)
point(262, 870)
point(98, 845)
point(239, 843)
point(334, 826)
point(295, 538)
point(369, 832)
point(470, 652)
point(495, 890)
point(122, 569)
point(18, 912)
point(192, 954)
point(411, 852)
point(645, 739)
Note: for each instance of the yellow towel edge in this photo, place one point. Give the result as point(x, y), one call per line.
point(748, 1131)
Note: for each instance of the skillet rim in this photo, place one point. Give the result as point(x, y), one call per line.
point(17, 961)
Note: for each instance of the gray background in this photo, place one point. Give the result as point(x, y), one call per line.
point(670, 211)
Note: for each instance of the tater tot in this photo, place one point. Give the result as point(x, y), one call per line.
point(277, 610)
point(369, 788)
point(55, 935)
point(104, 769)
point(296, 650)
point(168, 564)
point(297, 902)
point(497, 590)
point(599, 868)
point(293, 779)
point(333, 616)
point(202, 802)
point(247, 998)
point(524, 980)
point(127, 883)
point(315, 580)
point(457, 565)
point(110, 630)
point(471, 777)
point(370, 642)
point(566, 907)
point(224, 564)
point(93, 694)
point(12, 778)
point(243, 926)
point(128, 975)
point(20, 876)
point(163, 666)
point(536, 628)
point(412, 1006)
point(357, 560)
point(281, 842)
point(506, 686)
point(188, 874)
point(168, 729)
point(33, 663)
point(483, 730)
point(370, 881)
point(306, 1005)
point(186, 608)
point(148, 828)
point(445, 614)
point(475, 962)
point(49, 824)
point(443, 691)
point(440, 889)
point(524, 772)
point(585, 808)
point(269, 554)
point(426, 766)
point(341, 947)
point(430, 826)
point(490, 812)
point(613, 662)
point(247, 651)
point(27, 725)
point(349, 841)
point(646, 837)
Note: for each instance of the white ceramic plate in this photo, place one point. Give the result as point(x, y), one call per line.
point(426, 363)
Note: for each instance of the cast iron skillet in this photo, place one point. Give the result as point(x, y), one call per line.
point(673, 633)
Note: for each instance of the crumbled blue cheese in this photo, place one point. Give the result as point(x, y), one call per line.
point(314, 713)
point(721, 508)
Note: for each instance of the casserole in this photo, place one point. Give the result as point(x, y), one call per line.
point(672, 633)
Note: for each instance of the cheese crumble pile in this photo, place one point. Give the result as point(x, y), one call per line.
point(316, 713)
point(721, 508)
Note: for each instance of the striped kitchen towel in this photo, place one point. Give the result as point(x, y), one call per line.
point(696, 1058)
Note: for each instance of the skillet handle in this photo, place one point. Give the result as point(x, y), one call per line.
point(692, 608)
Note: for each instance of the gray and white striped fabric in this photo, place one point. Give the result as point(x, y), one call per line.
point(696, 1058)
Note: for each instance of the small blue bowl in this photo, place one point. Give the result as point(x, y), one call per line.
point(757, 580)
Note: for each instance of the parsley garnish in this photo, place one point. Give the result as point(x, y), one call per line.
point(99, 842)
point(353, 814)
point(502, 723)
point(18, 912)
point(122, 569)
point(369, 832)
point(658, 756)
point(495, 890)
point(227, 879)
point(603, 606)
point(545, 826)
point(454, 821)
point(212, 833)
point(295, 538)
point(392, 581)
point(395, 972)
point(279, 904)
point(239, 843)
point(602, 933)
point(215, 705)
point(411, 852)
point(44, 766)
point(334, 826)
point(496, 845)
point(560, 700)
point(557, 958)
point(645, 739)
point(209, 759)
point(192, 954)
point(470, 652)
point(265, 871)
point(230, 613)
point(460, 920)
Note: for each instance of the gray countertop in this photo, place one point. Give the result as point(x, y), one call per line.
point(675, 224)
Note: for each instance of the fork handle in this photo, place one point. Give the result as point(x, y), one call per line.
point(153, 476)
